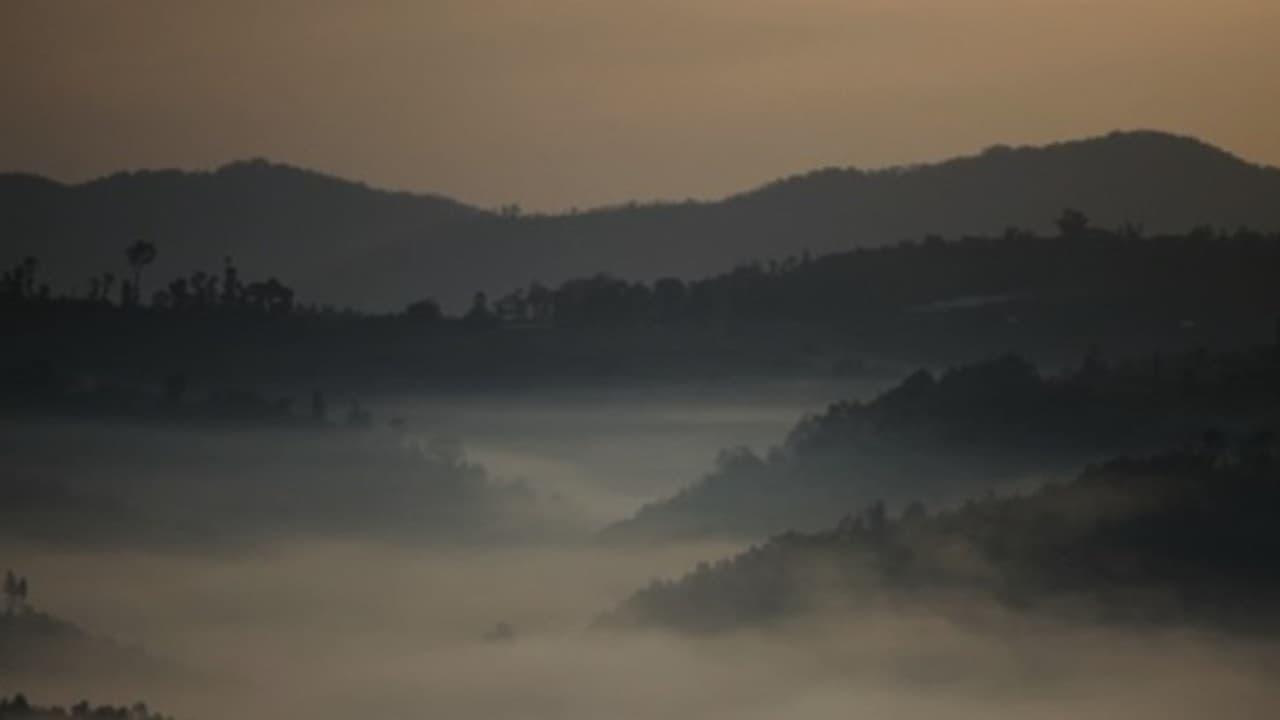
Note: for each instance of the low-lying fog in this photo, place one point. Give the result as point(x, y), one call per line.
point(612, 449)
point(352, 623)
point(327, 630)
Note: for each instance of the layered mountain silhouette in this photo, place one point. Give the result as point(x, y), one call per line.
point(345, 243)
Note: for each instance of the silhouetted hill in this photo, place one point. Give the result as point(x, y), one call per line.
point(200, 485)
point(289, 222)
point(972, 428)
point(35, 643)
point(1182, 537)
point(346, 243)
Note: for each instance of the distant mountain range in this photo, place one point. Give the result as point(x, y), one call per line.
point(345, 243)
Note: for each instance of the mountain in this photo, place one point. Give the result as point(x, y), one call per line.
point(348, 244)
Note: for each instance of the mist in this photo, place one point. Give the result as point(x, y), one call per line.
point(693, 359)
point(339, 630)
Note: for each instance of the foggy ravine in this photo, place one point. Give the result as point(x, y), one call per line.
point(614, 448)
point(538, 464)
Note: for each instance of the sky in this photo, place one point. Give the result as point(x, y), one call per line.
point(554, 104)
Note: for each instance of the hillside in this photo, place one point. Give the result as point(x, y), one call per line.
point(1181, 537)
point(349, 244)
point(34, 643)
point(979, 427)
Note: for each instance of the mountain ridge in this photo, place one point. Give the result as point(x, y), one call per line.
point(349, 243)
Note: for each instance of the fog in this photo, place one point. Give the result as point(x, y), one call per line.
point(342, 630)
point(614, 448)
point(464, 467)
point(332, 572)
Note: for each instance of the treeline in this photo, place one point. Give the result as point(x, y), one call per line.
point(201, 290)
point(916, 302)
point(1011, 274)
point(19, 708)
point(1181, 537)
point(944, 435)
point(926, 276)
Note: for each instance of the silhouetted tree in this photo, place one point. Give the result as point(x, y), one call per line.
point(1072, 223)
point(539, 299)
point(29, 265)
point(479, 316)
point(15, 593)
point(425, 310)
point(512, 308)
point(230, 283)
point(140, 254)
point(108, 282)
point(18, 283)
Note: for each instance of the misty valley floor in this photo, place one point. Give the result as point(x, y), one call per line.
point(333, 630)
point(318, 570)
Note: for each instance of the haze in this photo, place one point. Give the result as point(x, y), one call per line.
point(958, 396)
point(565, 103)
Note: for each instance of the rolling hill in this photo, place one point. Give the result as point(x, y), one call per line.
point(346, 243)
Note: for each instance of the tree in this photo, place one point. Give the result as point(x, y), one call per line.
point(425, 310)
point(230, 283)
point(140, 255)
point(479, 316)
point(512, 307)
point(179, 293)
point(15, 593)
point(1072, 223)
point(539, 300)
point(29, 265)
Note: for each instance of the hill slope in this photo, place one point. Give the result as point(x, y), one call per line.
point(1175, 538)
point(347, 243)
point(970, 429)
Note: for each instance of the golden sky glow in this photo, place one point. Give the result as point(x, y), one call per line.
point(555, 103)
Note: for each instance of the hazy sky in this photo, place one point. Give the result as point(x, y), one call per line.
point(557, 103)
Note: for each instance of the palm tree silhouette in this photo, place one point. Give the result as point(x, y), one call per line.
point(140, 254)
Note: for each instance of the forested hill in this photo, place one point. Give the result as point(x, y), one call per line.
point(1181, 537)
point(345, 243)
point(970, 429)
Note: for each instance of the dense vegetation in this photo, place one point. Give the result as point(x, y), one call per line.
point(1179, 537)
point(973, 427)
point(933, 301)
point(19, 708)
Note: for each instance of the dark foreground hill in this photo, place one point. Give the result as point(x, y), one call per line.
point(1179, 538)
point(348, 244)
